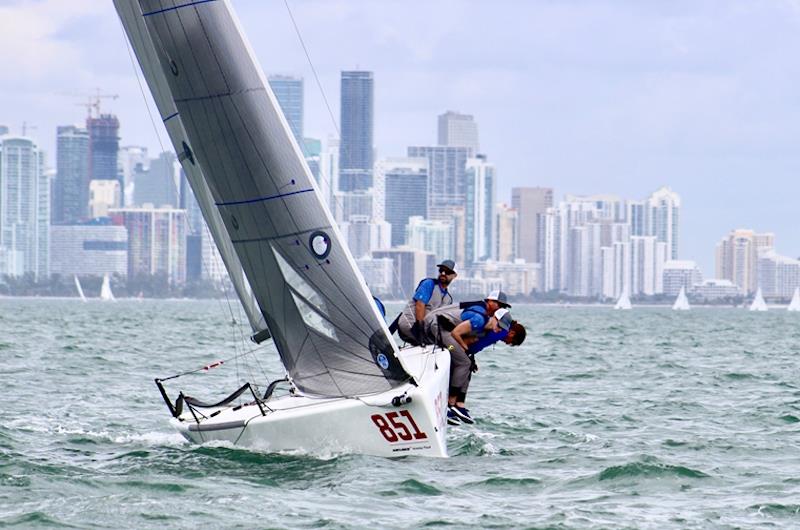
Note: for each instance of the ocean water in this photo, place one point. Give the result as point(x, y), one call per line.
point(602, 419)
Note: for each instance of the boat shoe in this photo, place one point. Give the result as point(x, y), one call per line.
point(462, 413)
point(452, 419)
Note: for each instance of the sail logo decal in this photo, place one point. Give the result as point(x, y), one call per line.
point(383, 361)
point(398, 427)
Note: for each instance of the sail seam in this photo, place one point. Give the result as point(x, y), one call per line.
point(280, 236)
point(173, 8)
point(263, 199)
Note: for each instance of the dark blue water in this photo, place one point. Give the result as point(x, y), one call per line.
point(602, 419)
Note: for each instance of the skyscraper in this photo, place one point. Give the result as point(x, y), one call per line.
point(289, 93)
point(24, 209)
point(480, 219)
point(355, 149)
point(447, 168)
point(71, 186)
point(663, 216)
point(737, 258)
point(159, 185)
point(458, 130)
point(406, 193)
point(103, 147)
point(530, 204)
point(156, 241)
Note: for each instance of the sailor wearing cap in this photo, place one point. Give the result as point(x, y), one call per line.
point(430, 295)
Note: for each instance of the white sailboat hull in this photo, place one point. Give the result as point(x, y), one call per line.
point(365, 425)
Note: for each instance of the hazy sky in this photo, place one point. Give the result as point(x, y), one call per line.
point(584, 96)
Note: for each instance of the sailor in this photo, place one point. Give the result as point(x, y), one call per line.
point(464, 332)
point(430, 295)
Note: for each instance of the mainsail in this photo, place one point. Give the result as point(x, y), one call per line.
point(259, 199)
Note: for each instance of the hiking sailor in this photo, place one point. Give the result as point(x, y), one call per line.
point(474, 325)
point(430, 295)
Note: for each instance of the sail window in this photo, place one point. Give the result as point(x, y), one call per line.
point(320, 244)
point(298, 284)
point(313, 319)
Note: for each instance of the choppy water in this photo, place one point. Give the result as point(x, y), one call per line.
point(640, 419)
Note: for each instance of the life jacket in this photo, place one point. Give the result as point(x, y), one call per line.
point(438, 299)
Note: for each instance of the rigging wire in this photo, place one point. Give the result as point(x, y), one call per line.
point(240, 348)
point(334, 199)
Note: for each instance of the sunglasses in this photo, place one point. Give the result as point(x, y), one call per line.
point(446, 272)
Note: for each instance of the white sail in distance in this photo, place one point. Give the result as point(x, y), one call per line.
point(228, 130)
point(623, 302)
point(758, 302)
point(105, 290)
point(681, 302)
point(79, 288)
point(794, 305)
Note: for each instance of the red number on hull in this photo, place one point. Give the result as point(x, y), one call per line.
point(394, 428)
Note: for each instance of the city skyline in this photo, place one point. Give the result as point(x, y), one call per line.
point(603, 99)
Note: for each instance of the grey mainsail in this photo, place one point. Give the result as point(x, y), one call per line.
point(266, 206)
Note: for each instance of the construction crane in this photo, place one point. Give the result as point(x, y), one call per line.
point(93, 102)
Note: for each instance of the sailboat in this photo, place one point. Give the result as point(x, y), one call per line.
point(350, 388)
point(794, 305)
point(624, 302)
point(758, 302)
point(105, 290)
point(79, 288)
point(681, 302)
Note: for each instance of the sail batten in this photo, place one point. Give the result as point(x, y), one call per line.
point(304, 281)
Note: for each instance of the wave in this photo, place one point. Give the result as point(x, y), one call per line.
point(34, 519)
point(776, 509)
point(646, 469)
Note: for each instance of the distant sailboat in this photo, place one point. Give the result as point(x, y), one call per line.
point(105, 290)
point(624, 302)
point(681, 302)
point(794, 305)
point(758, 302)
point(79, 288)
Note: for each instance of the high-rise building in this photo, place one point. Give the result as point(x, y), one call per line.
point(405, 183)
point(156, 241)
point(131, 161)
point(159, 184)
point(737, 258)
point(663, 211)
point(104, 147)
point(506, 235)
point(447, 167)
point(103, 196)
point(778, 275)
point(363, 235)
point(24, 208)
point(71, 185)
point(647, 265)
point(681, 273)
point(530, 203)
point(431, 236)
point(479, 222)
point(288, 91)
point(356, 147)
point(89, 249)
point(410, 266)
point(458, 130)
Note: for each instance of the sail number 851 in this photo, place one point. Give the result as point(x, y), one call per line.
point(395, 428)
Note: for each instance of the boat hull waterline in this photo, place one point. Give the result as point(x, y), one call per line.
point(369, 425)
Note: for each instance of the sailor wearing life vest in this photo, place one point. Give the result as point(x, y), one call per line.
point(431, 294)
point(464, 329)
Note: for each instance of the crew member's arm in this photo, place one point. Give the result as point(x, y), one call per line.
point(419, 310)
point(460, 333)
